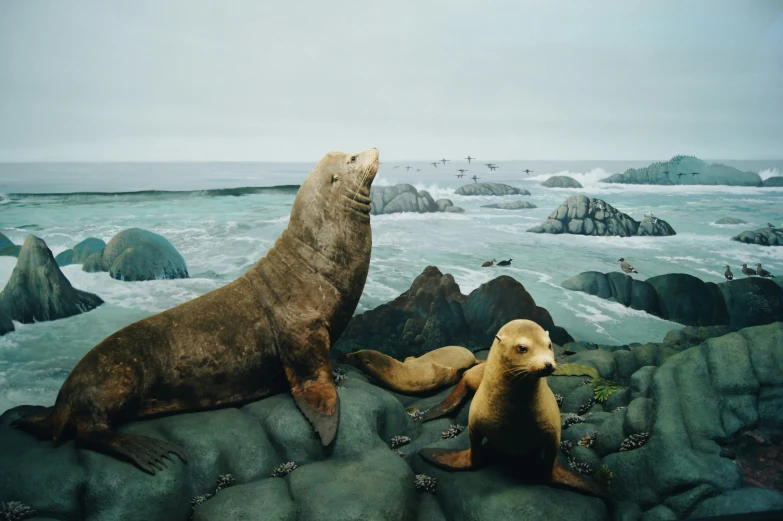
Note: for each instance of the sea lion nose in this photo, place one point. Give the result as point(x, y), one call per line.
point(548, 368)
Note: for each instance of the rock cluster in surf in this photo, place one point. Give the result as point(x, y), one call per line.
point(763, 237)
point(490, 189)
point(79, 253)
point(694, 172)
point(561, 181)
point(405, 198)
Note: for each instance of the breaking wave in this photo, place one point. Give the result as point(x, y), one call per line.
point(87, 197)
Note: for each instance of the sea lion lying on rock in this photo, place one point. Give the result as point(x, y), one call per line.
point(434, 370)
point(514, 409)
point(270, 331)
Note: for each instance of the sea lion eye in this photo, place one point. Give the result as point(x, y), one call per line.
point(522, 349)
point(335, 178)
point(353, 158)
point(550, 346)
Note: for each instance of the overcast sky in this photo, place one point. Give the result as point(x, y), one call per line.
point(290, 80)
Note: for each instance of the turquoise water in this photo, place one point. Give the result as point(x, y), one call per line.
point(221, 236)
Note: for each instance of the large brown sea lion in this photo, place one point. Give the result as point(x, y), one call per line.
point(514, 409)
point(436, 369)
point(268, 332)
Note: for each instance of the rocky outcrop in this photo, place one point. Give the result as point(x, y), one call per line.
point(666, 434)
point(489, 189)
point(5, 242)
point(687, 299)
point(582, 215)
point(79, 253)
point(667, 173)
point(10, 251)
point(561, 181)
point(775, 181)
point(37, 289)
point(730, 220)
point(434, 313)
point(513, 205)
point(762, 236)
point(136, 255)
point(405, 198)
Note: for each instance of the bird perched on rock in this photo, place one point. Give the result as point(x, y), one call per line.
point(748, 271)
point(627, 268)
point(488, 263)
point(505, 263)
point(729, 275)
point(770, 225)
point(761, 272)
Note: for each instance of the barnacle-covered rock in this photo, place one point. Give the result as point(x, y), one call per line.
point(399, 441)
point(225, 481)
point(416, 415)
point(339, 375)
point(634, 441)
point(584, 408)
point(581, 467)
point(399, 453)
point(425, 483)
point(284, 469)
point(589, 439)
point(571, 419)
point(559, 399)
point(566, 446)
point(15, 511)
point(452, 432)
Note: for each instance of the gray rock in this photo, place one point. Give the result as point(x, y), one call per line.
point(136, 255)
point(561, 181)
point(10, 251)
point(489, 189)
point(5, 241)
point(94, 263)
point(762, 236)
point(81, 252)
point(582, 215)
point(775, 181)
point(37, 289)
point(402, 198)
point(6, 324)
point(691, 335)
point(591, 282)
point(513, 205)
point(730, 220)
point(688, 300)
point(740, 501)
point(714, 174)
point(442, 204)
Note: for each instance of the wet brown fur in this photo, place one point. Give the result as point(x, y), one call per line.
point(269, 331)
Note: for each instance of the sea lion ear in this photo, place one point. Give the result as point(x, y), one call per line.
point(499, 340)
point(547, 333)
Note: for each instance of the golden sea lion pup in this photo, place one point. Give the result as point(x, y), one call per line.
point(434, 370)
point(514, 409)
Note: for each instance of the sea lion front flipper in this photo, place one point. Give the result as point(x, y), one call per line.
point(449, 459)
point(144, 452)
point(563, 478)
point(309, 374)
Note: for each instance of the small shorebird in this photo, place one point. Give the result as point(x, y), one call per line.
point(488, 263)
point(627, 268)
point(729, 275)
point(761, 272)
point(748, 271)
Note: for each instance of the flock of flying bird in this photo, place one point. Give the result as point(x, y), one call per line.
point(492, 167)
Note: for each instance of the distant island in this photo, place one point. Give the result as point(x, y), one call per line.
point(686, 170)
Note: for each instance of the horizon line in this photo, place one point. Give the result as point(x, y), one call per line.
point(142, 161)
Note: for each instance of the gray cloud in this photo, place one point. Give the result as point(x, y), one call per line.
point(248, 80)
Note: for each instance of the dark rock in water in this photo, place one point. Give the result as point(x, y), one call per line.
point(405, 198)
point(6, 324)
point(666, 173)
point(730, 220)
point(582, 215)
point(37, 289)
point(773, 181)
point(94, 263)
point(688, 300)
point(5, 241)
point(80, 252)
point(561, 181)
point(763, 236)
point(136, 254)
point(513, 205)
point(10, 251)
point(490, 189)
point(434, 313)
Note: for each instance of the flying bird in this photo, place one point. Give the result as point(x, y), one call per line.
point(444, 161)
point(761, 272)
point(461, 170)
point(407, 168)
point(680, 174)
point(729, 275)
point(398, 166)
point(694, 174)
point(469, 158)
point(493, 168)
point(475, 179)
point(627, 268)
point(527, 171)
point(435, 164)
point(418, 169)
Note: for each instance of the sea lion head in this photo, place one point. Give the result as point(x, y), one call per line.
point(369, 362)
point(331, 211)
point(524, 351)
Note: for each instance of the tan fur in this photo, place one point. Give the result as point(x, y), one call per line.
point(434, 370)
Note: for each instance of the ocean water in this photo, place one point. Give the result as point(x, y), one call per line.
point(221, 234)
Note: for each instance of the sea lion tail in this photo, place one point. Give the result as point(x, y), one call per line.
point(452, 401)
point(40, 424)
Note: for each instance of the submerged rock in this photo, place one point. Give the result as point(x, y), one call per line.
point(405, 198)
point(666, 173)
point(434, 313)
point(582, 215)
point(136, 255)
point(561, 181)
point(489, 189)
point(730, 220)
point(686, 299)
point(80, 252)
point(10, 251)
point(37, 289)
point(513, 205)
point(762, 236)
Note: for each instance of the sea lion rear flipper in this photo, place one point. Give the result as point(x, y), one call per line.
point(452, 401)
point(144, 452)
point(39, 423)
point(447, 459)
point(309, 374)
